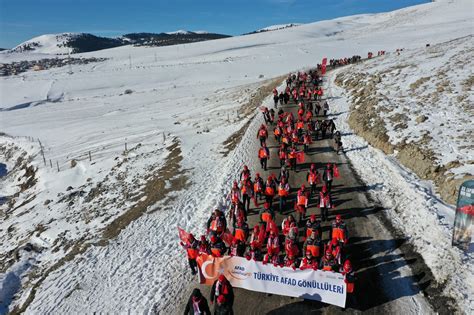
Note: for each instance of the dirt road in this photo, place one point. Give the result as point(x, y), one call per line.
point(386, 283)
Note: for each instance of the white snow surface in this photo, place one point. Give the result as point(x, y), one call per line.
point(278, 27)
point(183, 91)
point(410, 203)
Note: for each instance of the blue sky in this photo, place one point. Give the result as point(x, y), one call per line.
point(21, 20)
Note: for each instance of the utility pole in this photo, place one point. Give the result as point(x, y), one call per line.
point(69, 61)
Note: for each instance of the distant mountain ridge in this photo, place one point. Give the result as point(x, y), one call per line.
point(65, 43)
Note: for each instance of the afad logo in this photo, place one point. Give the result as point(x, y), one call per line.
point(239, 273)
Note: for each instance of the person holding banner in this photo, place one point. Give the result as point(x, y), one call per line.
point(309, 262)
point(254, 252)
point(197, 304)
point(204, 247)
point(291, 260)
point(349, 277)
point(328, 263)
point(222, 287)
point(314, 244)
point(217, 246)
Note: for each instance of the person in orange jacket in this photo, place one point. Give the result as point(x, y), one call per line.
point(336, 250)
point(267, 213)
point(314, 244)
point(313, 178)
point(282, 155)
point(264, 155)
point(270, 189)
point(283, 192)
point(192, 249)
point(339, 230)
point(217, 246)
point(246, 191)
point(241, 230)
point(301, 202)
point(349, 276)
point(292, 158)
point(262, 134)
point(258, 185)
point(328, 263)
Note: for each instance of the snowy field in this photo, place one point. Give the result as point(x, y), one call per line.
point(183, 104)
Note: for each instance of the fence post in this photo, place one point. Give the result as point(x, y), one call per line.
point(50, 163)
point(164, 137)
point(125, 146)
point(90, 157)
point(57, 165)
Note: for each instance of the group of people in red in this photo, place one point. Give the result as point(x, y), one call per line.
point(228, 232)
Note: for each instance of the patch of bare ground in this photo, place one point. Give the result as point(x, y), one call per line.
point(248, 111)
point(155, 190)
point(366, 122)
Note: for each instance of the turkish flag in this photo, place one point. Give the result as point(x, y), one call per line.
point(300, 157)
point(336, 171)
point(228, 238)
point(183, 235)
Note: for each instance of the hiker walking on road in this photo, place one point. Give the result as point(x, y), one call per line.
point(314, 245)
point(325, 108)
point(292, 157)
point(313, 225)
point(339, 230)
point(222, 308)
point(254, 252)
point(222, 287)
point(197, 304)
point(192, 249)
point(245, 174)
point(264, 155)
point(313, 178)
point(270, 189)
point(301, 202)
point(281, 98)
point(262, 134)
point(258, 186)
point(330, 172)
point(325, 203)
point(246, 191)
point(283, 193)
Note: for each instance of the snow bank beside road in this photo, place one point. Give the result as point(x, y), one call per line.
point(410, 204)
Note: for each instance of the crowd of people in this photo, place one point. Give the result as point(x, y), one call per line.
point(298, 241)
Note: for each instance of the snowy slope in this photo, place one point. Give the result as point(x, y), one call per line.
point(190, 93)
point(47, 44)
point(277, 27)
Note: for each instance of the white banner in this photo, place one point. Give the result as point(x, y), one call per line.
point(325, 286)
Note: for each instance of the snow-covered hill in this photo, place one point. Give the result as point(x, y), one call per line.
point(94, 231)
point(47, 44)
point(277, 27)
